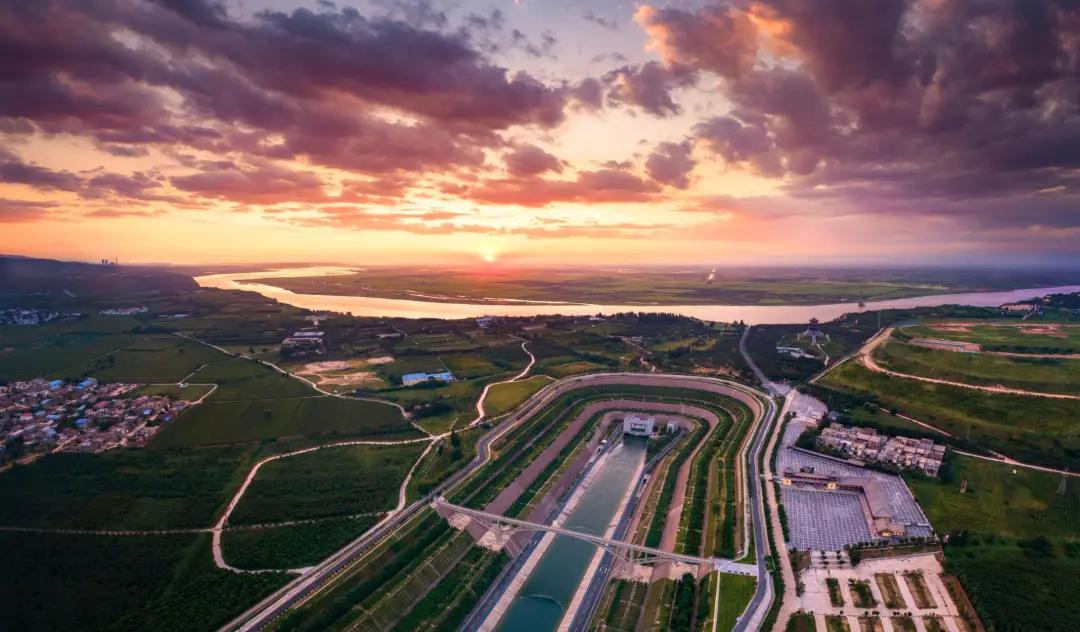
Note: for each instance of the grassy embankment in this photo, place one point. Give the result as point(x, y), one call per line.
point(1044, 375)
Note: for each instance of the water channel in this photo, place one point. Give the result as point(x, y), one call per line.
point(751, 314)
point(542, 601)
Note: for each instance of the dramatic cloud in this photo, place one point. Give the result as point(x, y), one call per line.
point(648, 86)
point(721, 39)
point(283, 85)
point(671, 164)
point(530, 160)
point(606, 185)
point(897, 99)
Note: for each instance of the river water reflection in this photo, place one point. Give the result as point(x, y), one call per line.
point(751, 314)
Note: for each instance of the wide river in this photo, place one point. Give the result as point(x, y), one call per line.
point(751, 314)
point(542, 601)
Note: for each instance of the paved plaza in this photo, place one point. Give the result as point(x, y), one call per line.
point(821, 520)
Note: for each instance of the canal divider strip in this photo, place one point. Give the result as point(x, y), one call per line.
point(534, 557)
point(594, 565)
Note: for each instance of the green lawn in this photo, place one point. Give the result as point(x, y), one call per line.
point(735, 592)
point(505, 397)
point(335, 481)
point(1049, 375)
point(1028, 428)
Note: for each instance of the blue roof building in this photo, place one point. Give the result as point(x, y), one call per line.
point(410, 379)
point(55, 384)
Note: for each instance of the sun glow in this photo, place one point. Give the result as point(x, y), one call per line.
point(489, 255)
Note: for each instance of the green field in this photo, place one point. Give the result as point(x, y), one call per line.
point(123, 489)
point(1003, 500)
point(1047, 375)
point(1013, 588)
point(336, 481)
point(1037, 429)
point(1014, 336)
point(108, 357)
point(93, 582)
point(503, 398)
point(735, 593)
point(1014, 542)
point(292, 546)
point(215, 423)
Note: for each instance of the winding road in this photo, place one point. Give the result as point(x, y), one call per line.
point(315, 577)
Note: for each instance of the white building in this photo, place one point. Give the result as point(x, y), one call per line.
point(639, 426)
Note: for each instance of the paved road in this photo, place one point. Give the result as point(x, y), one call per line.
point(273, 606)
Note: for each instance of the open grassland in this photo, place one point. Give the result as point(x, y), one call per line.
point(92, 582)
point(1008, 336)
point(1014, 543)
point(1035, 429)
point(335, 481)
point(503, 398)
point(1000, 499)
point(1046, 375)
point(292, 546)
point(123, 489)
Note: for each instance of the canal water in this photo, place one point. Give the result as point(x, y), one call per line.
point(543, 599)
point(751, 314)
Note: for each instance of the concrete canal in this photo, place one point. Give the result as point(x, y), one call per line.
point(543, 599)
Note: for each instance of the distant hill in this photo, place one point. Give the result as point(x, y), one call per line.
point(25, 275)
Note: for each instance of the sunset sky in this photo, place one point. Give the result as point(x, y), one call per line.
point(541, 131)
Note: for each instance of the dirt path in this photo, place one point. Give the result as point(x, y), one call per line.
point(487, 388)
point(219, 526)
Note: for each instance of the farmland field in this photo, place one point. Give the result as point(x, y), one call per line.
point(123, 489)
point(151, 583)
point(292, 546)
point(336, 481)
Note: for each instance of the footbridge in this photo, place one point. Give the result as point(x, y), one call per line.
point(626, 552)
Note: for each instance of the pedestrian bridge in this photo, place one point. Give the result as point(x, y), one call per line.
point(503, 527)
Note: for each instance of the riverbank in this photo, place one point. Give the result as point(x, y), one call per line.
point(751, 314)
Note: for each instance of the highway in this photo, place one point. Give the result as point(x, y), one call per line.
point(270, 608)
